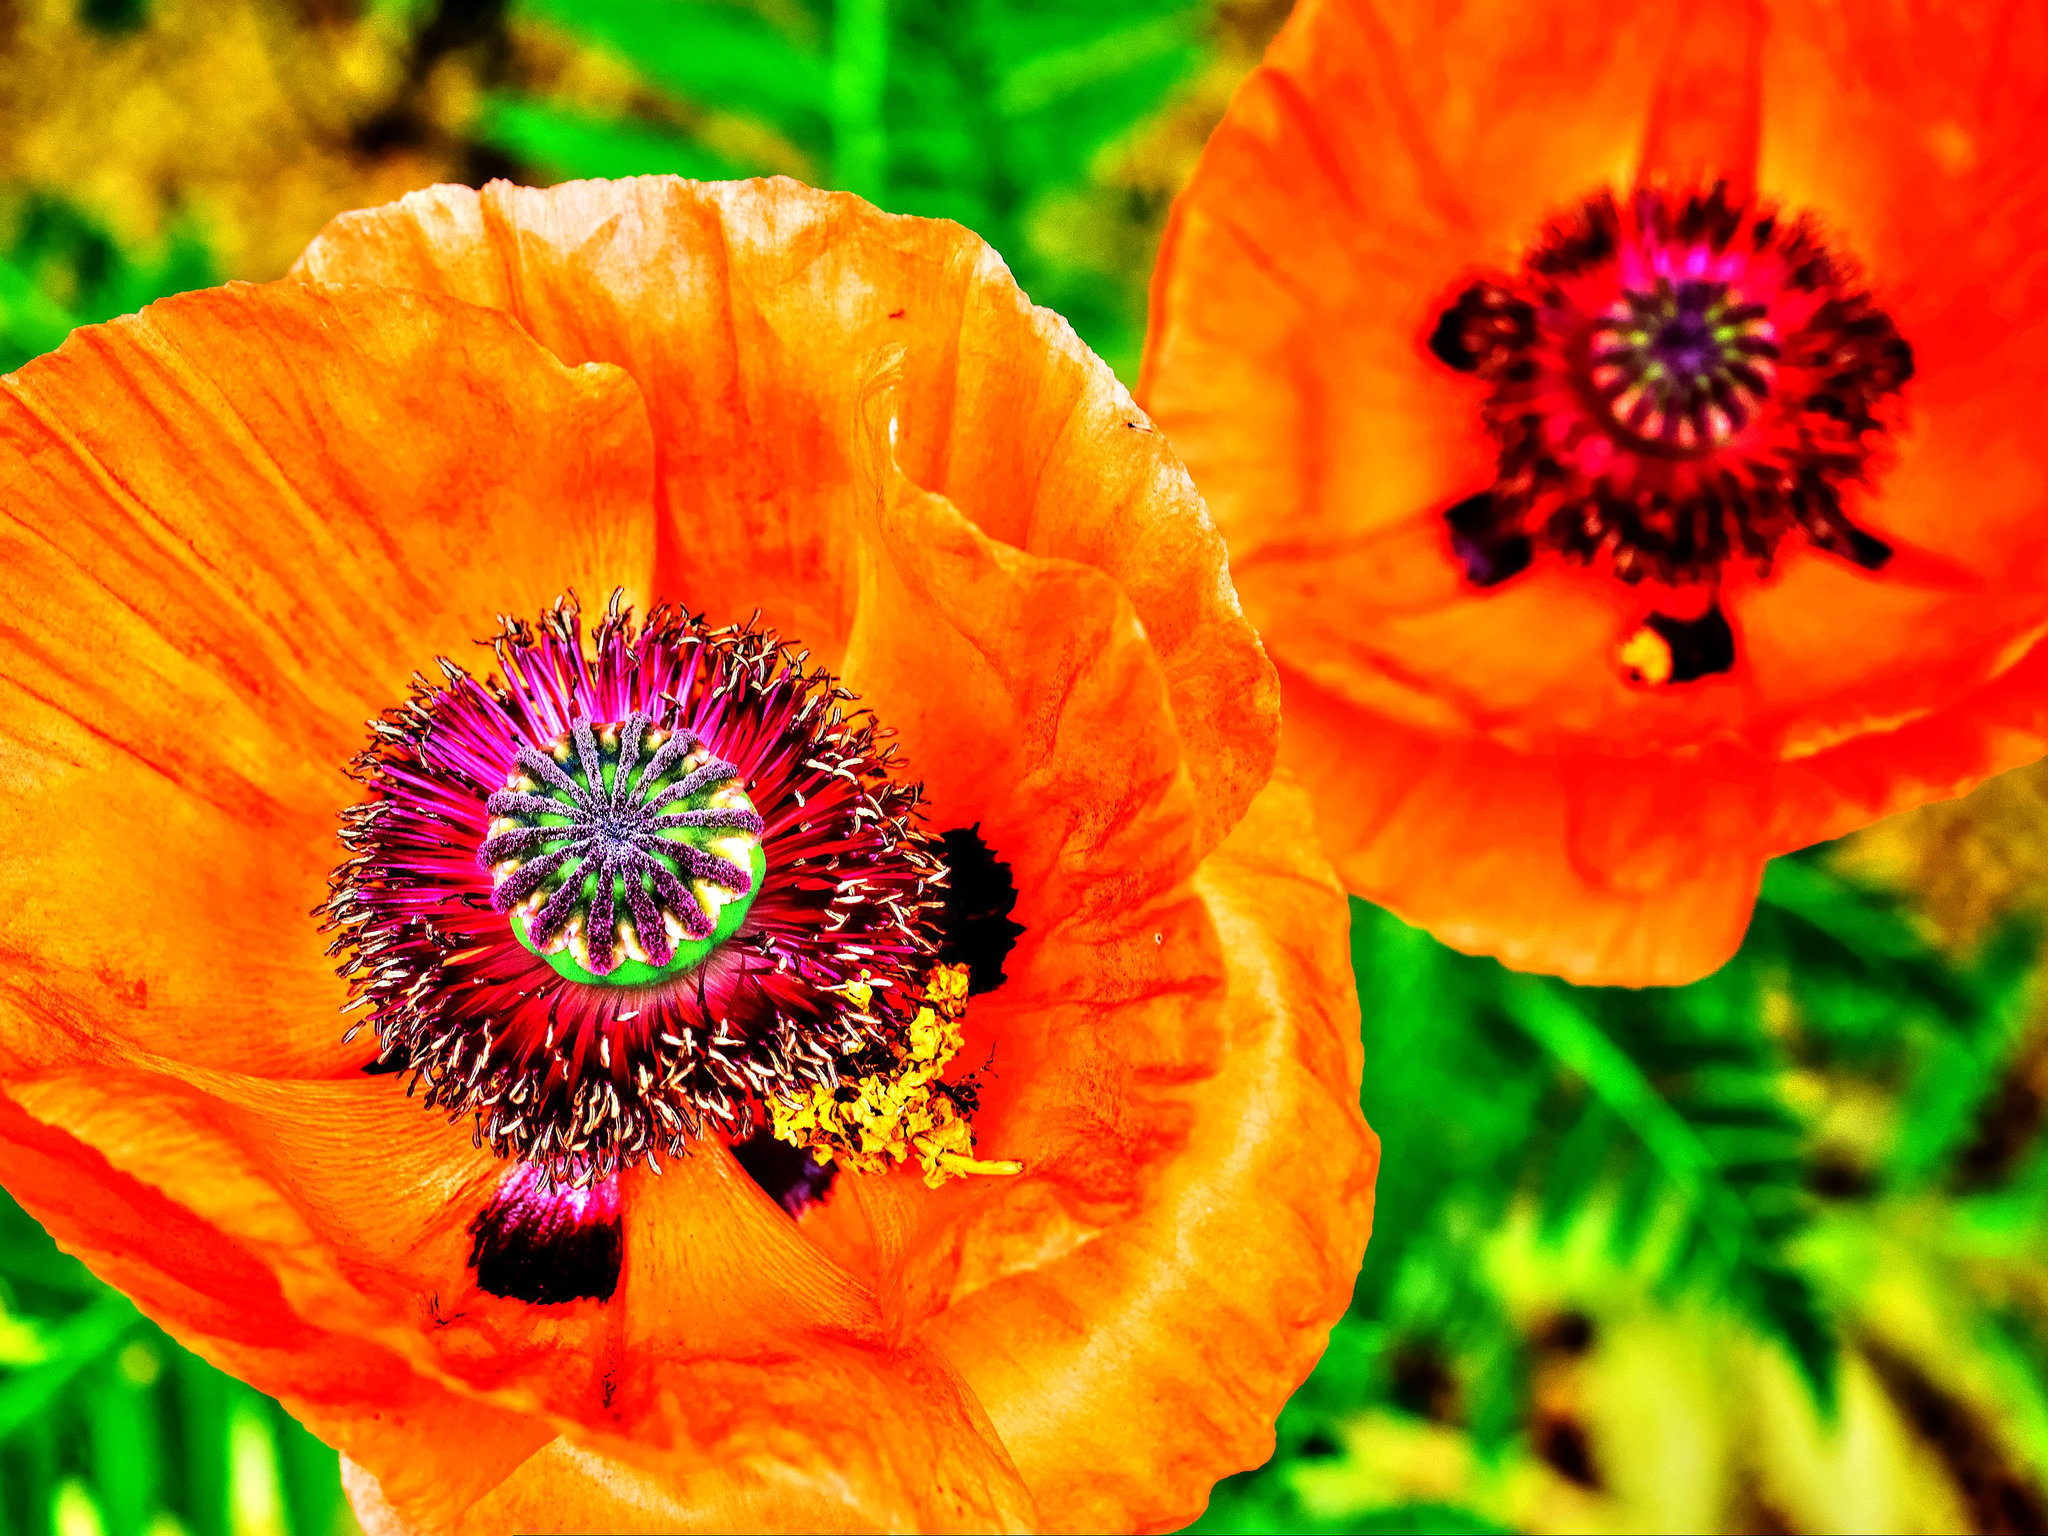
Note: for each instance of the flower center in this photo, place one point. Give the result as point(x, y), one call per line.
point(1682, 367)
point(625, 853)
point(663, 884)
point(1678, 383)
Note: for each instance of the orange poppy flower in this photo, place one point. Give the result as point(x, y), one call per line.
point(1621, 418)
point(955, 1137)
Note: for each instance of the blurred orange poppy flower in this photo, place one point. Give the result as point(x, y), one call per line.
point(1622, 420)
point(633, 896)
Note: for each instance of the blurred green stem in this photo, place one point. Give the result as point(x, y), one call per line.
point(860, 74)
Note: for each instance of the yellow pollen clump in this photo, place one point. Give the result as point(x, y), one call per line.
point(896, 1116)
point(1646, 657)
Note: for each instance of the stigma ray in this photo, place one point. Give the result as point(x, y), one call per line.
point(622, 867)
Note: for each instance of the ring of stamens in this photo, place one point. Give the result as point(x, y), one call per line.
point(623, 854)
point(1683, 367)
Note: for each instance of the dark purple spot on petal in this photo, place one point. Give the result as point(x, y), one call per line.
point(976, 930)
point(1490, 550)
point(1701, 647)
point(792, 1178)
point(548, 1244)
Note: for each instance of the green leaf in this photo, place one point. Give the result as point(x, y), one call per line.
point(60, 269)
point(1868, 927)
point(1569, 1036)
point(114, 18)
point(201, 1399)
point(31, 322)
point(1421, 1519)
point(74, 1345)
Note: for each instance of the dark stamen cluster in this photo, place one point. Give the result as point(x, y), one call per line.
point(1677, 383)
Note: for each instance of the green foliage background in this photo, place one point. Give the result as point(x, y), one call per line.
point(1762, 1253)
point(984, 111)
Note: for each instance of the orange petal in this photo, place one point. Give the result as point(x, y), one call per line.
point(754, 1358)
point(1707, 115)
point(1125, 1016)
point(568, 1488)
point(1603, 871)
point(1921, 137)
point(752, 314)
point(1661, 857)
point(734, 1360)
point(1985, 730)
point(769, 1404)
point(226, 540)
point(1125, 1373)
point(1054, 733)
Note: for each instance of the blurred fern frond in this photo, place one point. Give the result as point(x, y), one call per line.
point(1817, 1178)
